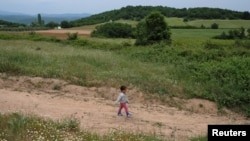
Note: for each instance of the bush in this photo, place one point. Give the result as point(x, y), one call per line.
point(248, 32)
point(214, 26)
point(72, 36)
point(233, 34)
point(242, 43)
point(113, 30)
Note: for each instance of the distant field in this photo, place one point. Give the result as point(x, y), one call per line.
point(222, 23)
point(208, 23)
point(176, 33)
point(85, 27)
point(133, 23)
point(173, 21)
point(224, 26)
point(196, 33)
point(62, 34)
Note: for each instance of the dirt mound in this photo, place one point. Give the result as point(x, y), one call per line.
point(95, 109)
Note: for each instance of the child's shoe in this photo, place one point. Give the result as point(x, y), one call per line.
point(119, 114)
point(129, 115)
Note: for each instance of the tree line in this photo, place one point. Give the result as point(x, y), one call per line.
point(139, 12)
point(9, 24)
point(39, 24)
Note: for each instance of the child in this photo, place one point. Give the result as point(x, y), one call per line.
point(122, 98)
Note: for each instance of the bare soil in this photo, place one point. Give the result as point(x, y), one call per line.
point(62, 33)
point(95, 109)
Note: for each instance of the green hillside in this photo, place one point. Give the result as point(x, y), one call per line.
point(139, 12)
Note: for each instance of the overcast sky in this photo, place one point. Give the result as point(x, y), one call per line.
point(97, 6)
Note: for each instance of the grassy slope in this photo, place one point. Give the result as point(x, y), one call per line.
point(90, 67)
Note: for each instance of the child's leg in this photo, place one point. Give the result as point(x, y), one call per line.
point(126, 108)
point(120, 109)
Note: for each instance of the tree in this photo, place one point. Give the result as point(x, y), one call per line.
point(248, 32)
point(39, 19)
point(52, 24)
point(152, 30)
point(141, 34)
point(65, 24)
point(234, 34)
point(246, 15)
point(202, 26)
point(242, 33)
point(214, 26)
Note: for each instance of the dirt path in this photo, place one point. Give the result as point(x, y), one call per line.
point(95, 108)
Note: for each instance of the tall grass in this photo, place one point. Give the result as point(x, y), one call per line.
point(19, 127)
point(81, 66)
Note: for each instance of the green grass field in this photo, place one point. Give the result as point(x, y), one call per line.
point(175, 21)
point(196, 33)
point(223, 24)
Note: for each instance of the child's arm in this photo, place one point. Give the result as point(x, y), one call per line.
point(126, 99)
point(118, 98)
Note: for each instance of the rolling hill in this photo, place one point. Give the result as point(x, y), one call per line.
point(137, 13)
point(27, 19)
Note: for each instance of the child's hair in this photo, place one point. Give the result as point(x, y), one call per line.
point(123, 88)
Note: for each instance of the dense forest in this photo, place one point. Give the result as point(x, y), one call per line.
point(139, 12)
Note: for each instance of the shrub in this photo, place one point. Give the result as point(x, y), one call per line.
point(113, 30)
point(72, 36)
point(233, 34)
point(214, 26)
point(248, 32)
